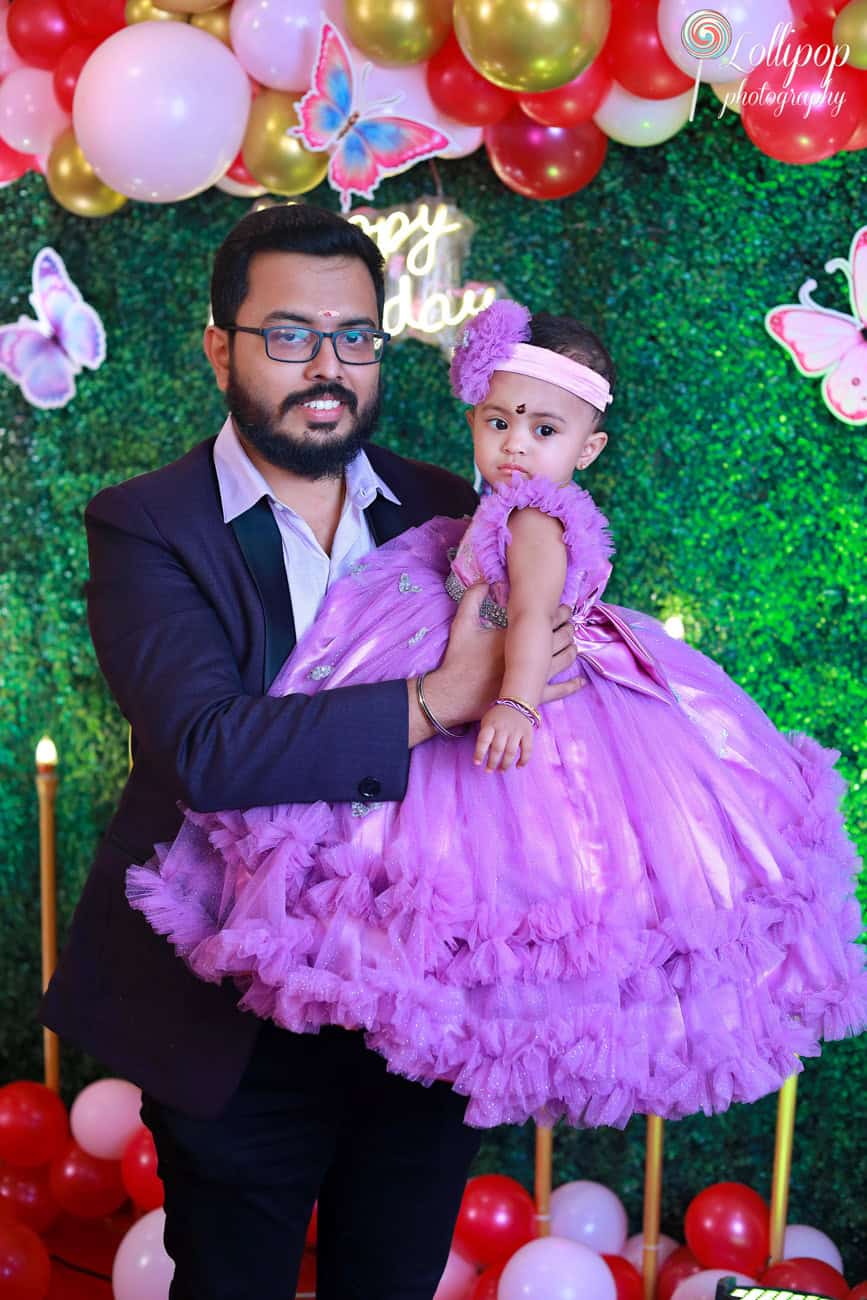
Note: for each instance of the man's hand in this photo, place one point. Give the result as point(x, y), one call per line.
point(471, 673)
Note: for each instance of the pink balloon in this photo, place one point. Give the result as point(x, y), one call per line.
point(702, 1286)
point(10, 59)
point(591, 1214)
point(458, 1279)
point(160, 111)
point(553, 1268)
point(464, 139)
point(803, 1242)
point(634, 1249)
point(142, 1270)
point(276, 40)
point(30, 117)
point(104, 1116)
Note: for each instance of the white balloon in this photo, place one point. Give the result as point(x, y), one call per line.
point(104, 1116)
point(633, 1251)
point(590, 1213)
point(553, 1268)
point(142, 1270)
point(702, 1286)
point(801, 1241)
point(730, 94)
point(752, 22)
point(628, 119)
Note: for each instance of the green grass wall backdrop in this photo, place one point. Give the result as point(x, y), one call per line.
point(735, 498)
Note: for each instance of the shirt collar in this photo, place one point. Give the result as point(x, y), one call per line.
point(242, 485)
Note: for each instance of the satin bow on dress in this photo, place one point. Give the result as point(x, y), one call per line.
point(606, 641)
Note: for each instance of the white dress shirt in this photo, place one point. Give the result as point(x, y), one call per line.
point(309, 570)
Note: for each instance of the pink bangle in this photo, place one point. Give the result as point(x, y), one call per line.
point(526, 710)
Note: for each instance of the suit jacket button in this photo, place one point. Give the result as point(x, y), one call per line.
point(369, 787)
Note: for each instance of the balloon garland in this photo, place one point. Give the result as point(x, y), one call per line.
point(128, 99)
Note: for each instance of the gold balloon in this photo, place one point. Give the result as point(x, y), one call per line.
point(73, 182)
point(216, 22)
point(531, 45)
point(850, 28)
point(279, 161)
point(142, 11)
point(191, 6)
point(398, 32)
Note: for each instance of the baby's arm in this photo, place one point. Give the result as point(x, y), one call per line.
point(536, 561)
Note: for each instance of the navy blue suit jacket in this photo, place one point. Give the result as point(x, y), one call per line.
point(191, 619)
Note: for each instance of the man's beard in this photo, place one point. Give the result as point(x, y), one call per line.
point(316, 456)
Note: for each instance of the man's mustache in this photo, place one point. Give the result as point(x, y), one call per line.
point(317, 392)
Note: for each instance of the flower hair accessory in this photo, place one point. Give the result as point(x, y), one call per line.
point(496, 339)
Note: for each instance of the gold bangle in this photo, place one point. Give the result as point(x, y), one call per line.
point(522, 704)
point(423, 705)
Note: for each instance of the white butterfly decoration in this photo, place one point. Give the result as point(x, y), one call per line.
point(821, 341)
point(43, 356)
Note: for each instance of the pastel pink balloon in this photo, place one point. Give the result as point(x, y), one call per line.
point(458, 1279)
point(803, 1242)
point(10, 59)
point(752, 22)
point(142, 1270)
point(554, 1268)
point(30, 117)
point(634, 1249)
point(104, 1116)
point(160, 110)
point(702, 1286)
point(276, 40)
point(590, 1213)
point(464, 139)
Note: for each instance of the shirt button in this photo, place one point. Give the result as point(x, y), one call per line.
point(369, 787)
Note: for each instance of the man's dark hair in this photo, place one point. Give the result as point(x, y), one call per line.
point(572, 339)
point(286, 228)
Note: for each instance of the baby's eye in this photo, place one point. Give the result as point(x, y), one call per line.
point(545, 430)
point(498, 423)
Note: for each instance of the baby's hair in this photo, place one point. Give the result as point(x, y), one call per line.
point(572, 339)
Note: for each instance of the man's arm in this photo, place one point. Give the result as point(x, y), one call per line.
point(169, 665)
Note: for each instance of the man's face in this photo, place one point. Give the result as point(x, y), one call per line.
point(309, 417)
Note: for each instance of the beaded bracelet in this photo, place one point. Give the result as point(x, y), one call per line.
point(520, 706)
point(423, 705)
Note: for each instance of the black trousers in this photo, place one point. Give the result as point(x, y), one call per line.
point(315, 1115)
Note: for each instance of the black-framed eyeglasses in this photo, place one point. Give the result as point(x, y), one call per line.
point(357, 346)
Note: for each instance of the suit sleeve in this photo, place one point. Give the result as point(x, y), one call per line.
point(170, 666)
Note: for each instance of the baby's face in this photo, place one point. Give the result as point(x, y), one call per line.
point(534, 427)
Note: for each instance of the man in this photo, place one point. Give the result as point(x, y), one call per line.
point(203, 574)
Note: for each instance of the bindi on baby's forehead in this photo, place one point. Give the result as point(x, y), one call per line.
point(519, 410)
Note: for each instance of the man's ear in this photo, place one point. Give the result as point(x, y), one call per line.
point(216, 345)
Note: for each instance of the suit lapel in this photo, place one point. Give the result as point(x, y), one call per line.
point(384, 519)
point(259, 539)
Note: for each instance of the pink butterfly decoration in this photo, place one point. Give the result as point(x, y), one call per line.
point(821, 341)
point(43, 356)
point(365, 146)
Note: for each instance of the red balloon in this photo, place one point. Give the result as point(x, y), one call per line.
point(13, 165)
point(83, 1186)
point(497, 1217)
point(462, 93)
point(807, 1275)
point(575, 102)
point(33, 1122)
point(238, 172)
point(545, 162)
point(39, 31)
point(728, 1226)
point(488, 1282)
point(802, 121)
point(138, 1171)
point(97, 17)
point(68, 70)
point(312, 1228)
point(307, 1275)
point(636, 56)
point(858, 1292)
point(25, 1269)
point(28, 1195)
point(681, 1263)
point(627, 1278)
point(809, 13)
point(859, 139)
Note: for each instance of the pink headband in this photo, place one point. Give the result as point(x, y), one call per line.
point(496, 339)
point(554, 368)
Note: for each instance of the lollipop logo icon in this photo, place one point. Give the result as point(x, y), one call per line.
point(706, 34)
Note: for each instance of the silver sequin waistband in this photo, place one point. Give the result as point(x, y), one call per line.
point(489, 609)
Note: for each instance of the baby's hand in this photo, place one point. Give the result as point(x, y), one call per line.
point(504, 736)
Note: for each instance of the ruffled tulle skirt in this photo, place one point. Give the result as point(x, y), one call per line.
point(656, 915)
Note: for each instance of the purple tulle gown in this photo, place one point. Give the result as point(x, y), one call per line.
point(656, 915)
